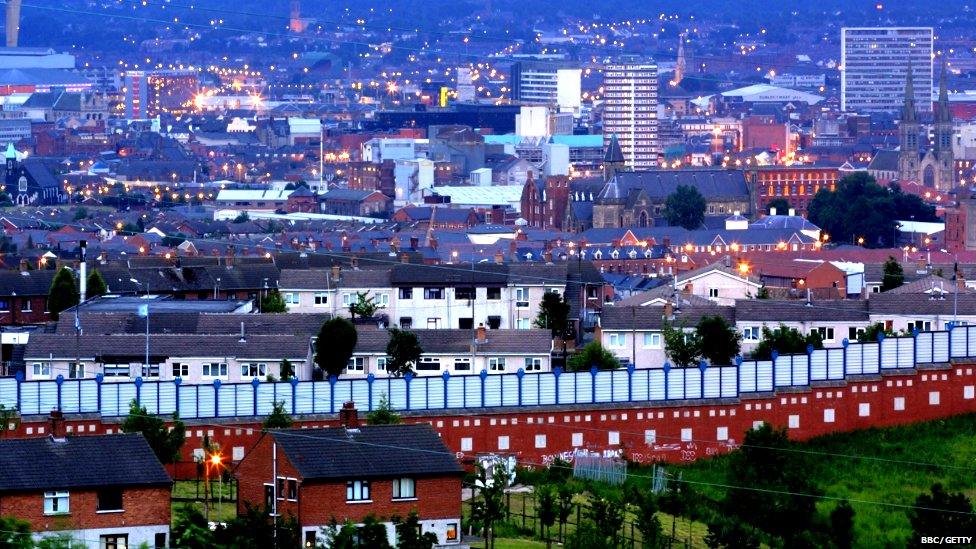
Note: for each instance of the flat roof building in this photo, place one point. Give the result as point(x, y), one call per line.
point(874, 63)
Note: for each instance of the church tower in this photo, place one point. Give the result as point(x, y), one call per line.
point(944, 132)
point(613, 159)
point(608, 205)
point(908, 130)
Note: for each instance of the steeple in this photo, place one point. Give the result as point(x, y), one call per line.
point(613, 159)
point(942, 113)
point(908, 111)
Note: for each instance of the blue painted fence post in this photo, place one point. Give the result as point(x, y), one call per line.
point(915, 347)
point(254, 395)
point(775, 356)
point(949, 329)
point(810, 365)
point(176, 384)
point(483, 376)
point(630, 382)
point(557, 371)
point(667, 371)
point(138, 384)
point(60, 381)
point(216, 385)
point(447, 376)
point(844, 344)
point(19, 376)
point(520, 373)
point(332, 384)
point(294, 397)
point(738, 381)
point(593, 372)
point(702, 366)
point(408, 378)
point(881, 338)
point(370, 378)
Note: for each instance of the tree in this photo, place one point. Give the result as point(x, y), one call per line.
point(781, 205)
point(730, 533)
point(95, 285)
point(241, 218)
point(278, 418)
point(365, 306)
point(80, 213)
point(383, 414)
point(685, 207)
point(402, 352)
point(769, 476)
point(63, 293)
point(8, 416)
point(272, 302)
point(15, 533)
point(648, 523)
point(165, 442)
point(607, 513)
point(190, 529)
point(858, 208)
point(564, 505)
point(553, 314)
point(546, 511)
point(586, 536)
point(60, 541)
point(593, 354)
point(718, 339)
point(489, 505)
point(785, 341)
point(870, 333)
point(334, 345)
point(286, 370)
point(894, 275)
point(255, 528)
point(683, 349)
point(940, 512)
point(408, 533)
point(841, 528)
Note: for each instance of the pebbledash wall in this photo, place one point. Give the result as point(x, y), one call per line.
point(671, 414)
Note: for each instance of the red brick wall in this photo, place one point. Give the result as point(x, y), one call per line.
point(143, 507)
point(320, 502)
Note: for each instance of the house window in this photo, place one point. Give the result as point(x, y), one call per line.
point(406, 322)
point(381, 363)
point(76, 370)
point(181, 370)
point(464, 293)
point(433, 323)
point(496, 364)
point(383, 300)
point(254, 370)
point(826, 334)
point(42, 369)
point(522, 324)
point(713, 292)
point(115, 371)
point(429, 363)
point(751, 333)
point(433, 293)
point(466, 323)
point(533, 364)
point(404, 488)
point(321, 299)
point(406, 293)
point(109, 499)
point(521, 297)
point(920, 325)
point(462, 364)
point(494, 293)
point(214, 369)
point(652, 341)
point(452, 531)
point(356, 364)
point(347, 299)
point(292, 489)
point(56, 503)
point(4, 305)
point(494, 322)
point(293, 298)
point(150, 371)
point(27, 306)
point(114, 541)
point(357, 490)
point(617, 340)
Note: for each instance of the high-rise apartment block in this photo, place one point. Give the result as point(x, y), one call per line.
point(630, 113)
point(874, 63)
point(547, 83)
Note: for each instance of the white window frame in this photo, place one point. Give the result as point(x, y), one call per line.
point(206, 371)
point(652, 340)
point(751, 333)
point(404, 488)
point(521, 298)
point(533, 364)
point(116, 372)
point(320, 299)
point(356, 364)
point(181, 370)
point(76, 372)
point(53, 502)
point(496, 364)
point(713, 293)
point(251, 370)
point(42, 370)
point(358, 491)
point(463, 362)
point(293, 298)
point(522, 324)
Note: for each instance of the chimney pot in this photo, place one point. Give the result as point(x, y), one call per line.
point(58, 430)
point(482, 334)
point(348, 416)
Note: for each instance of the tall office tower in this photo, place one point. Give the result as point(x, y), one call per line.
point(630, 113)
point(547, 83)
point(136, 95)
point(873, 65)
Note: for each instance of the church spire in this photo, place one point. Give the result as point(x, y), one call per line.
point(942, 113)
point(908, 111)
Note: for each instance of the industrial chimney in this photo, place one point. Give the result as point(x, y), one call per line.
point(13, 22)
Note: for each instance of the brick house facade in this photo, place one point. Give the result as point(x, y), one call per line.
point(50, 483)
point(346, 474)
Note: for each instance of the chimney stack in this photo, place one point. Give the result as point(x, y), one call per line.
point(348, 416)
point(336, 270)
point(23, 265)
point(58, 430)
point(481, 334)
point(499, 257)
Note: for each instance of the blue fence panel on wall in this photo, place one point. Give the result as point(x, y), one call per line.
point(855, 358)
point(149, 397)
point(870, 358)
point(640, 387)
point(958, 336)
point(835, 363)
point(265, 398)
point(621, 382)
point(510, 388)
point(655, 384)
point(110, 399)
point(188, 401)
point(584, 387)
point(304, 399)
point(889, 353)
point(493, 390)
point(418, 394)
point(747, 376)
point(924, 347)
point(906, 352)
point(801, 372)
point(455, 392)
point(693, 382)
point(472, 391)
point(227, 403)
point(730, 381)
point(676, 384)
point(713, 386)
point(940, 347)
point(567, 388)
point(69, 396)
point(530, 390)
point(547, 389)
point(206, 407)
point(435, 392)
point(764, 376)
point(783, 371)
point(603, 383)
point(818, 365)
point(89, 397)
point(8, 392)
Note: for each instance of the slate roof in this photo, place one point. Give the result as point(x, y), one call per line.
point(305, 279)
point(372, 451)
point(36, 464)
point(26, 283)
point(352, 195)
point(449, 275)
point(108, 348)
point(762, 310)
point(658, 184)
point(885, 161)
point(652, 318)
point(920, 304)
point(451, 341)
point(203, 323)
point(370, 278)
